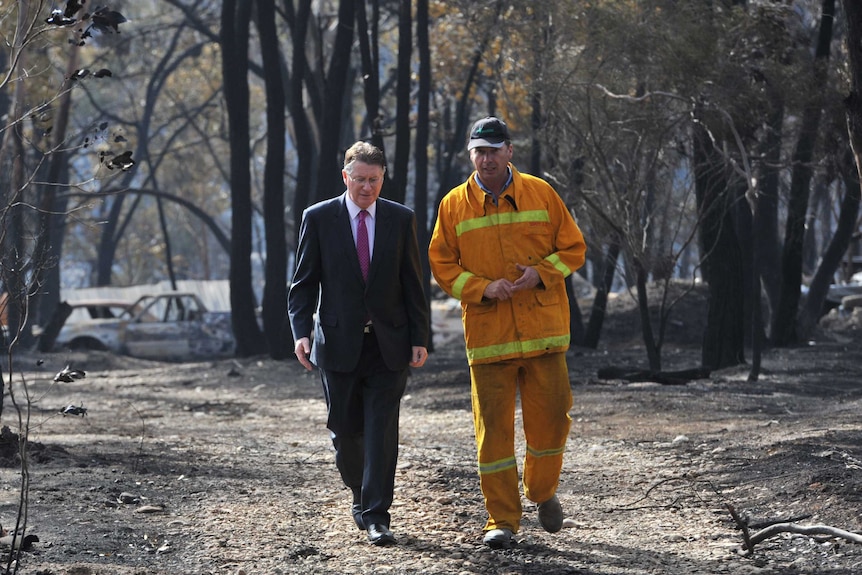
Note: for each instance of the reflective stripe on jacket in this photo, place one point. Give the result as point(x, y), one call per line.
point(475, 242)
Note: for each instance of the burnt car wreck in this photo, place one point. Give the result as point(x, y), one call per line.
point(170, 326)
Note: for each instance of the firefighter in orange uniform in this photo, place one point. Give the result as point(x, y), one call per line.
point(504, 244)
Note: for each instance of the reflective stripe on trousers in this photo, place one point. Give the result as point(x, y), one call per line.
point(546, 398)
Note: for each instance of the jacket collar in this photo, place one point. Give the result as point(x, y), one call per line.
point(353, 210)
point(476, 194)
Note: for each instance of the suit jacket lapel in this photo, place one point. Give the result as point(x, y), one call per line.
point(382, 231)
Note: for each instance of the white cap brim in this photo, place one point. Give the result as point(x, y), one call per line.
point(479, 143)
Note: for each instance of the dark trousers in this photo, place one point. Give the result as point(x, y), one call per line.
point(363, 408)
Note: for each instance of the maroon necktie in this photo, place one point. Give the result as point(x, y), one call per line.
point(362, 245)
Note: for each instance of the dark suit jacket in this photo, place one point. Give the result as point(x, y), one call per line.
point(327, 280)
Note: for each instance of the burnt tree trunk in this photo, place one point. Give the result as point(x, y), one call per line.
point(275, 269)
point(600, 301)
point(329, 181)
point(401, 163)
point(784, 327)
point(369, 60)
point(52, 227)
point(812, 308)
point(653, 349)
point(305, 144)
point(765, 233)
point(423, 112)
point(853, 102)
point(724, 336)
point(235, 20)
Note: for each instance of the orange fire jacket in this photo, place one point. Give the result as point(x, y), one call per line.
point(476, 242)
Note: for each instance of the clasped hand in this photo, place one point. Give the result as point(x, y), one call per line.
point(503, 289)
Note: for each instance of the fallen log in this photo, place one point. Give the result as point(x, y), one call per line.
point(680, 377)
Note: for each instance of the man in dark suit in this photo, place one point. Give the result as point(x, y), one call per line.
point(358, 312)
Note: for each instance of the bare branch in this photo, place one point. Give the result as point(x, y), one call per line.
point(647, 96)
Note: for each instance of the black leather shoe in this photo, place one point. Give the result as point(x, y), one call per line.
point(379, 534)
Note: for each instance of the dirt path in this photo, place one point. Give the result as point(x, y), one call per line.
point(226, 468)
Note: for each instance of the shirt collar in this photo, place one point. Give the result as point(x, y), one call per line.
point(488, 191)
point(354, 210)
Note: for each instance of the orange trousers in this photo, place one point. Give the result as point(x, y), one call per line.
point(546, 398)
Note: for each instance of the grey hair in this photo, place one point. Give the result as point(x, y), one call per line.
point(365, 153)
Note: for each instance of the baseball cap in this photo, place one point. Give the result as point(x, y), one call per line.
point(488, 132)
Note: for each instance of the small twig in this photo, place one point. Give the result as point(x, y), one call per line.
point(673, 504)
point(634, 507)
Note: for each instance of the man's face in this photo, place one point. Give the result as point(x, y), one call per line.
point(491, 163)
point(363, 182)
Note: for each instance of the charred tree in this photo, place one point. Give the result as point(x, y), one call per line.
point(724, 336)
point(275, 269)
point(784, 327)
point(423, 113)
point(600, 301)
point(235, 21)
point(401, 162)
point(329, 168)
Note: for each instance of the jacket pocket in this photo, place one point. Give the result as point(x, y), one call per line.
point(547, 297)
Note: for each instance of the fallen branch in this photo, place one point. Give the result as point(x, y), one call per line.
point(750, 540)
point(764, 524)
point(772, 530)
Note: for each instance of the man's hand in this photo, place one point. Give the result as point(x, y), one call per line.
point(302, 349)
point(503, 289)
point(418, 356)
point(529, 278)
